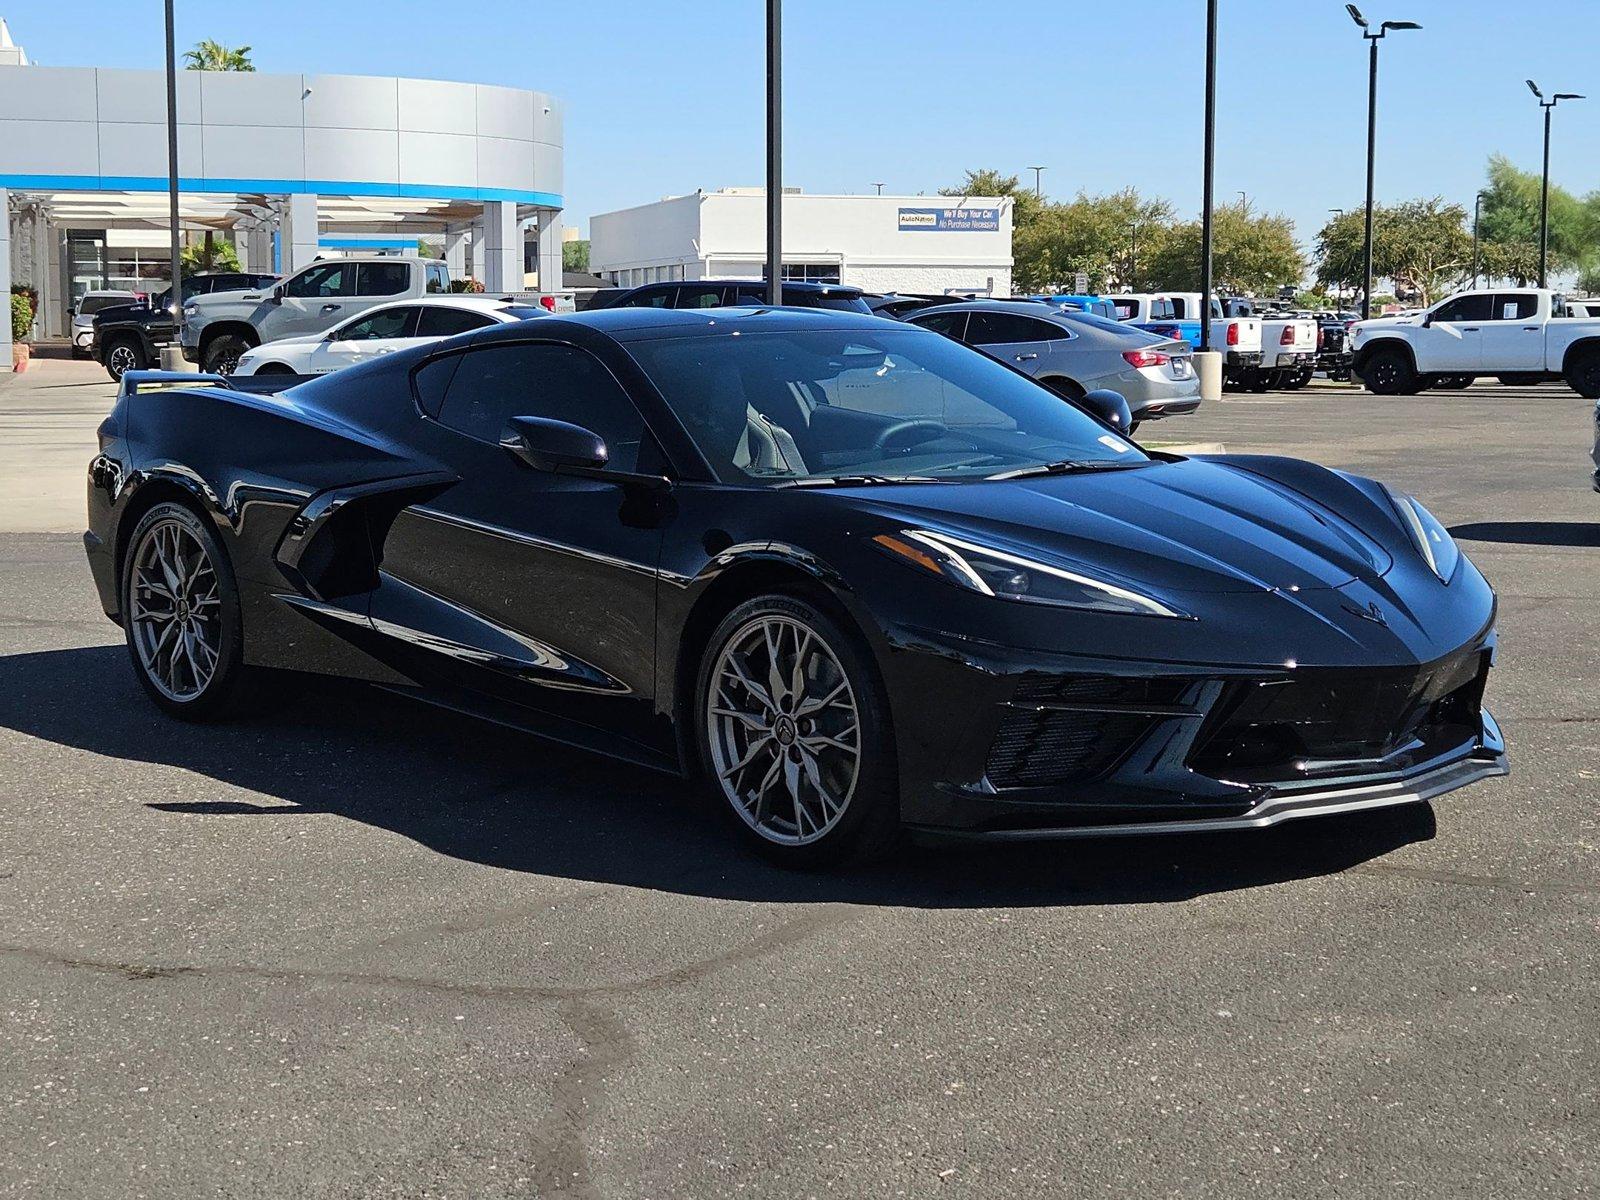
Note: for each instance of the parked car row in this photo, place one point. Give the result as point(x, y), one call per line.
point(130, 337)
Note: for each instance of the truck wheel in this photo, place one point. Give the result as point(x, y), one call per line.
point(1583, 374)
point(1293, 381)
point(222, 353)
point(121, 356)
point(1390, 373)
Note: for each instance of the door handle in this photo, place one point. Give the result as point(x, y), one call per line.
point(332, 307)
point(1530, 329)
point(1026, 357)
point(1470, 329)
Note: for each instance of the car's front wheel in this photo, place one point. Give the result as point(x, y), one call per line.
point(122, 356)
point(794, 734)
point(223, 353)
point(1390, 373)
point(181, 616)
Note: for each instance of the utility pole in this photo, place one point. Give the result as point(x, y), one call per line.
point(774, 152)
point(172, 168)
point(1038, 191)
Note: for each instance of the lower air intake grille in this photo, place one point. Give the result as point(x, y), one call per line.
point(1047, 747)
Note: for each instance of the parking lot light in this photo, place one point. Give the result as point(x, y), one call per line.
point(1372, 136)
point(1544, 183)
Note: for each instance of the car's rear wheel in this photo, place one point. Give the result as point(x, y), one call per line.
point(794, 734)
point(181, 615)
point(1067, 389)
point(223, 353)
point(1295, 380)
point(121, 356)
point(1390, 373)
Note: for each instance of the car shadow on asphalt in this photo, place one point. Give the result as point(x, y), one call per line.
point(1530, 533)
point(485, 794)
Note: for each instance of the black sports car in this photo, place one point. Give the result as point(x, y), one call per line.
point(851, 575)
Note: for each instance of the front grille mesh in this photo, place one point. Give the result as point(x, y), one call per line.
point(1049, 746)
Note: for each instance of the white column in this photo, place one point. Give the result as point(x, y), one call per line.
point(502, 249)
point(455, 251)
point(300, 247)
point(43, 277)
point(549, 257)
point(5, 280)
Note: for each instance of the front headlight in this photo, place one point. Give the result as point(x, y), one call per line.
point(1005, 576)
point(1432, 539)
point(191, 310)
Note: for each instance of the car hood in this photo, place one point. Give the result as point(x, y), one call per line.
point(1195, 525)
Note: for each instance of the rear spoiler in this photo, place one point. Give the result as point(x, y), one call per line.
point(256, 385)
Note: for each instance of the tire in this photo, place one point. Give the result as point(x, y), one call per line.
point(122, 355)
point(274, 368)
point(1390, 373)
point(1295, 380)
point(208, 680)
point(222, 353)
point(1583, 374)
point(1067, 389)
point(762, 760)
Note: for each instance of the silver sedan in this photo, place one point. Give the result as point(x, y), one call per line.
point(1075, 352)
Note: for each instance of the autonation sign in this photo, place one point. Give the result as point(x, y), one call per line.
point(950, 220)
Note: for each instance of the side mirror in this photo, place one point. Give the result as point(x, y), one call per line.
point(1111, 408)
point(1427, 320)
point(547, 445)
point(276, 297)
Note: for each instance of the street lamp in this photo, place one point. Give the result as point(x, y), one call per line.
point(172, 168)
point(1338, 284)
point(1133, 256)
point(775, 152)
point(879, 186)
point(1207, 187)
point(1372, 138)
point(1477, 212)
point(1038, 194)
point(1544, 186)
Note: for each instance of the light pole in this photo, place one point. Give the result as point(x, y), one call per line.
point(172, 167)
point(774, 152)
point(1544, 185)
point(1038, 193)
point(1372, 139)
point(1210, 177)
point(879, 186)
point(1338, 284)
point(1133, 256)
point(1477, 211)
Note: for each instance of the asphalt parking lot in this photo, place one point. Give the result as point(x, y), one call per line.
point(358, 948)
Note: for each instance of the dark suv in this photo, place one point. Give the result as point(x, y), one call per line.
point(720, 293)
point(129, 337)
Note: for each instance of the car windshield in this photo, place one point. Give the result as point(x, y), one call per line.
point(858, 405)
point(93, 303)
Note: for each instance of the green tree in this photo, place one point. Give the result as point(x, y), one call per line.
point(575, 255)
point(1114, 239)
point(214, 56)
point(1423, 246)
point(1510, 215)
point(1025, 206)
point(1251, 253)
point(209, 254)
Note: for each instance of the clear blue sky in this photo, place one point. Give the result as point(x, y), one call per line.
point(664, 96)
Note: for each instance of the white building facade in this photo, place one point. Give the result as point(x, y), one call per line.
point(934, 244)
point(286, 167)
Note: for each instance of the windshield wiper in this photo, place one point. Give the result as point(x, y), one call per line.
point(1067, 466)
point(856, 480)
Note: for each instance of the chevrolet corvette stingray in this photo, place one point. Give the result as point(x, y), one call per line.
point(849, 576)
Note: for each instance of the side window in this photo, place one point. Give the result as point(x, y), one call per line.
point(387, 323)
point(1127, 310)
point(994, 329)
point(542, 379)
point(1474, 307)
point(382, 278)
point(1515, 306)
point(699, 295)
point(654, 298)
point(438, 278)
point(432, 379)
point(951, 324)
point(1179, 308)
point(323, 279)
point(447, 322)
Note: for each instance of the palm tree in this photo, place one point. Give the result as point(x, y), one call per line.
point(214, 56)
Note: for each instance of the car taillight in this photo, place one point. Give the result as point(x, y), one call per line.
point(1145, 358)
point(1286, 338)
point(1319, 337)
point(548, 302)
point(1233, 334)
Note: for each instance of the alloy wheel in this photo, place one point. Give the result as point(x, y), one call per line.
point(121, 360)
point(784, 730)
point(175, 610)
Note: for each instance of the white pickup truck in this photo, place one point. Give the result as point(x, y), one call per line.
point(1518, 334)
point(1177, 315)
point(1288, 348)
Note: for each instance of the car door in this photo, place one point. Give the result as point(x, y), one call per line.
point(523, 585)
point(1450, 337)
point(1513, 336)
point(1023, 342)
point(308, 302)
point(382, 332)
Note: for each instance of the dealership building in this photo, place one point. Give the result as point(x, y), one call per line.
point(286, 167)
point(934, 244)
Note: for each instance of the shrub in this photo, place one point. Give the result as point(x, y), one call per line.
point(21, 317)
point(465, 285)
